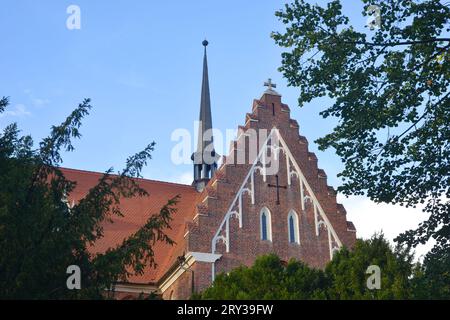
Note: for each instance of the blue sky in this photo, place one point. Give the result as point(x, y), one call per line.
point(140, 62)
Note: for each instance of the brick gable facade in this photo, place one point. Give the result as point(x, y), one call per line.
point(238, 240)
point(219, 228)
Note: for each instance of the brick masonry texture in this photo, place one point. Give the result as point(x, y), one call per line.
point(245, 243)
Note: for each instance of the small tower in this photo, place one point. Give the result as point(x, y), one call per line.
point(205, 158)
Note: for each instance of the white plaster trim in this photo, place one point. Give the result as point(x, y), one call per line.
point(292, 213)
point(205, 256)
point(225, 220)
point(199, 215)
point(191, 258)
point(318, 211)
point(268, 224)
point(316, 203)
point(133, 288)
point(251, 120)
point(176, 274)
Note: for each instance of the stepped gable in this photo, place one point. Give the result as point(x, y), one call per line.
point(244, 242)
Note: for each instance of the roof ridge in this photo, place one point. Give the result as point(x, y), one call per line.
point(142, 179)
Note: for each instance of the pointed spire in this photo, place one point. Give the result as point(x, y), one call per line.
point(205, 158)
point(205, 108)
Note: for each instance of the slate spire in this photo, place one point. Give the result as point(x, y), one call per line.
point(205, 158)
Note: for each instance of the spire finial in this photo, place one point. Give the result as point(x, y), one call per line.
point(205, 43)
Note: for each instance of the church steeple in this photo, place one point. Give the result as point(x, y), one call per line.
point(205, 158)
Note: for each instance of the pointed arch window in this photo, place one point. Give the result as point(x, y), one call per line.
point(265, 224)
point(293, 231)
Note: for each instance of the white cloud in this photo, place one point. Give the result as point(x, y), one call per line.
point(370, 217)
point(184, 178)
point(38, 102)
point(19, 110)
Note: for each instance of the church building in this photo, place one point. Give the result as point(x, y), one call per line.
point(268, 195)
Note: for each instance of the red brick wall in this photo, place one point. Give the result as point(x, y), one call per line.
point(245, 243)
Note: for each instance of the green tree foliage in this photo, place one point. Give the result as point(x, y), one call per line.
point(40, 236)
point(432, 279)
point(347, 271)
point(390, 90)
point(268, 278)
point(344, 277)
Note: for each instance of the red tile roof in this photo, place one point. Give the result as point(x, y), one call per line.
point(136, 211)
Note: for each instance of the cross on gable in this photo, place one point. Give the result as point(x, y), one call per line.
point(270, 84)
point(278, 187)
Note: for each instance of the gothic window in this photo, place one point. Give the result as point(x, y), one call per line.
point(266, 224)
point(293, 231)
point(263, 226)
